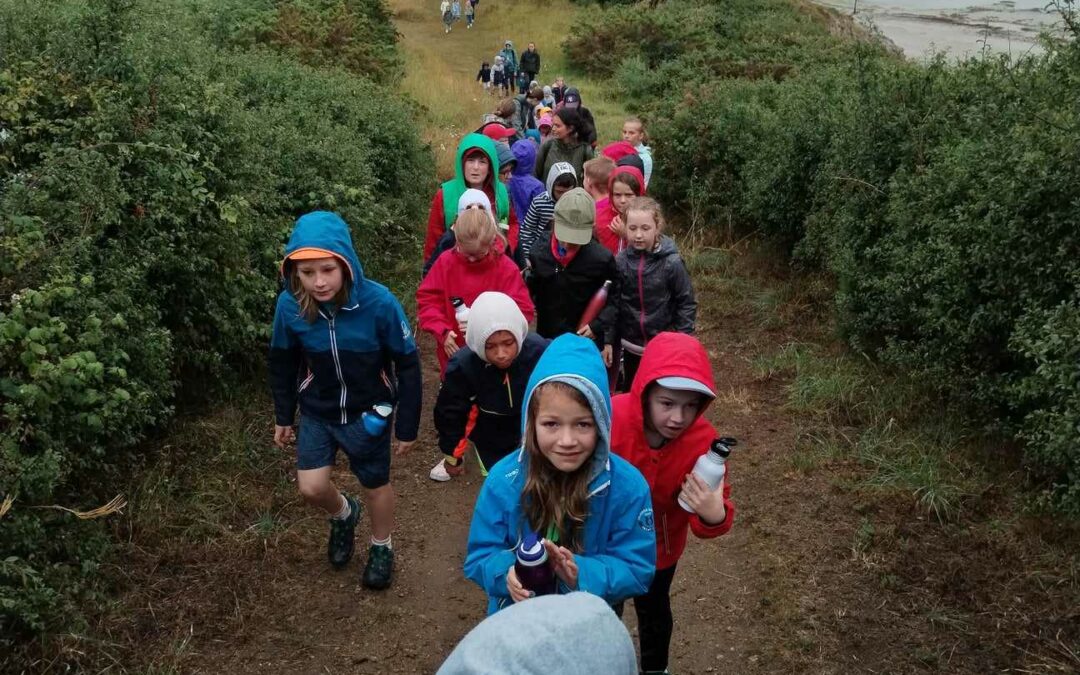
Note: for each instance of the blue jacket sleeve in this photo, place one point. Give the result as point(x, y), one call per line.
point(626, 569)
point(397, 338)
point(490, 552)
point(286, 357)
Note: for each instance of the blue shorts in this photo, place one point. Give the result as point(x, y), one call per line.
point(369, 456)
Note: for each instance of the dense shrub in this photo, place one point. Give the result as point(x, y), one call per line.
point(148, 183)
point(941, 197)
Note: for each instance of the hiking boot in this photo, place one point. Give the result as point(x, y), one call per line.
point(340, 548)
point(380, 567)
point(443, 472)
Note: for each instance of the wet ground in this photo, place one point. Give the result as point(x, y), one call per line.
point(958, 27)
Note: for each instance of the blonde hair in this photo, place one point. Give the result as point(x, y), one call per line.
point(551, 498)
point(599, 170)
point(477, 225)
point(647, 205)
point(309, 306)
point(634, 119)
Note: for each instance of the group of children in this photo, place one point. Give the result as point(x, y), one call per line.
point(597, 477)
point(450, 11)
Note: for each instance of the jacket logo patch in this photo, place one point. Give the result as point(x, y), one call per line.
point(406, 333)
point(645, 520)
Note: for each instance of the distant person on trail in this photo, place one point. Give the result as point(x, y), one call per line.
point(480, 397)
point(549, 98)
point(567, 144)
point(510, 62)
point(572, 99)
point(543, 126)
point(342, 349)
point(633, 132)
point(524, 105)
point(660, 427)
point(558, 88)
point(524, 186)
point(592, 508)
point(484, 77)
point(455, 10)
point(477, 167)
point(530, 62)
point(470, 14)
point(655, 292)
point(498, 75)
point(522, 82)
point(447, 15)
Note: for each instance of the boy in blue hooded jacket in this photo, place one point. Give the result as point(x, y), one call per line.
point(342, 348)
point(592, 507)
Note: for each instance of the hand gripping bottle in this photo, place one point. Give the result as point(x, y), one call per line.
point(532, 566)
point(461, 311)
point(376, 419)
point(710, 466)
point(596, 303)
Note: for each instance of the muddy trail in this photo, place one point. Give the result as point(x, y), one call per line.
point(820, 573)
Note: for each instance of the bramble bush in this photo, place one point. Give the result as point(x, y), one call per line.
point(148, 181)
point(940, 196)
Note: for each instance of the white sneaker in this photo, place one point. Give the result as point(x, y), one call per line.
point(438, 472)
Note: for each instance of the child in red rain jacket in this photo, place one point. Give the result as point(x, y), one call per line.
point(660, 428)
point(624, 183)
point(476, 264)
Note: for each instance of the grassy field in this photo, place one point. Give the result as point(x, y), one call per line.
point(441, 68)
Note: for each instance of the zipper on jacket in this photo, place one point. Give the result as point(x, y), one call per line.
point(337, 367)
point(641, 297)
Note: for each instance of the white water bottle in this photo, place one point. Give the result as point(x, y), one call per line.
point(460, 313)
point(710, 467)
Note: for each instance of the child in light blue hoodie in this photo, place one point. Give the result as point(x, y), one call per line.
point(593, 508)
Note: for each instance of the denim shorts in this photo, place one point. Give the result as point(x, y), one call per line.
point(369, 456)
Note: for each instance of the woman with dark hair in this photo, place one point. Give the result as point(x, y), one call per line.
point(568, 143)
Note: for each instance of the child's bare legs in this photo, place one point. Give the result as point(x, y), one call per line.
point(317, 489)
point(381, 511)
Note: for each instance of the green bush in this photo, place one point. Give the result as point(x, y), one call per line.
point(940, 196)
point(149, 182)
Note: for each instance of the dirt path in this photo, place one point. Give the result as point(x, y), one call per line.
point(817, 575)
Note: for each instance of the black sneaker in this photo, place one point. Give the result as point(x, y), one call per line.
point(340, 548)
point(380, 567)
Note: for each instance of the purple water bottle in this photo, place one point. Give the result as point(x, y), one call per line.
point(532, 566)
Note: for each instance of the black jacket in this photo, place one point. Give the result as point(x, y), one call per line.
point(562, 293)
point(497, 394)
point(659, 280)
point(529, 62)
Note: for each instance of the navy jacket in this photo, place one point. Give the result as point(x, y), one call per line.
point(347, 360)
point(496, 393)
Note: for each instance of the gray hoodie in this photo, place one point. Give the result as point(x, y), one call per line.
point(573, 634)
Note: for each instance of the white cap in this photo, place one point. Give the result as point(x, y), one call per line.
point(685, 384)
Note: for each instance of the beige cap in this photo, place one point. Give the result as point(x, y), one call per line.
point(575, 215)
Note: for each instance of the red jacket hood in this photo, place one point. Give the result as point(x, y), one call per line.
point(672, 355)
point(633, 171)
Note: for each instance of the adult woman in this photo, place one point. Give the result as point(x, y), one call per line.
point(567, 144)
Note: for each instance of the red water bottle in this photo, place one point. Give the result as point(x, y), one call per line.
point(596, 303)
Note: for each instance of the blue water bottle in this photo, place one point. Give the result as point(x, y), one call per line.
point(376, 419)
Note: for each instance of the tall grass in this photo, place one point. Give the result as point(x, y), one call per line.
point(440, 73)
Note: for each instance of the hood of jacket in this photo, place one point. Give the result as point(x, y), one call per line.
point(525, 154)
point(454, 188)
point(326, 231)
point(490, 313)
point(558, 169)
point(574, 360)
point(671, 355)
point(630, 170)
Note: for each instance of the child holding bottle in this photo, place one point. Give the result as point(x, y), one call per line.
point(593, 508)
point(660, 428)
point(490, 374)
point(350, 339)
